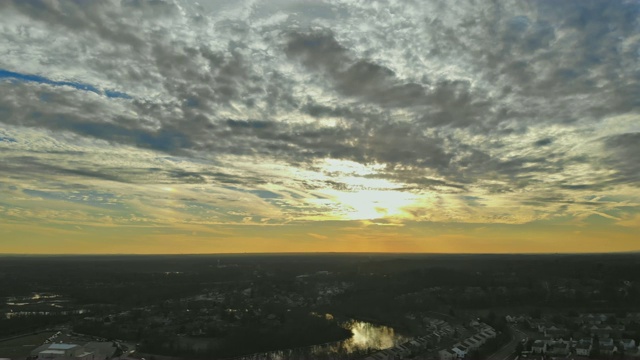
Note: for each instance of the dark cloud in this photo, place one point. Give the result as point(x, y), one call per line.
point(72, 166)
point(75, 113)
point(25, 167)
point(446, 103)
point(543, 142)
point(581, 186)
point(623, 157)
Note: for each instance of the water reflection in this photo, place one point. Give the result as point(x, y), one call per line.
point(367, 336)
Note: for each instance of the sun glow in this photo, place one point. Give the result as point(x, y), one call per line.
point(372, 204)
point(358, 195)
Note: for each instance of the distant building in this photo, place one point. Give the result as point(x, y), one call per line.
point(606, 342)
point(583, 349)
point(69, 352)
point(593, 319)
point(489, 332)
point(628, 344)
point(608, 349)
point(446, 355)
point(460, 350)
point(472, 343)
point(539, 347)
point(480, 339)
point(57, 351)
point(101, 350)
point(536, 324)
point(558, 348)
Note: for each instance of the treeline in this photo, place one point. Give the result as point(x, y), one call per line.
point(25, 324)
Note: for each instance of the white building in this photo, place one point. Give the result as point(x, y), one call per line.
point(460, 350)
point(56, 351)
point(446, 355)
point(628, 344)
point(489, 332)
point(539, 347)
point(65, 352)
point(472, 343)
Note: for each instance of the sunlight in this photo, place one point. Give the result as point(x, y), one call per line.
point(373, 204)
point(358, 195)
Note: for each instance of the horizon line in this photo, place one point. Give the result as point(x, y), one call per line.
point(629, 252)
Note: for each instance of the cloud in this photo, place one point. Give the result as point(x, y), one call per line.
point(452, 103)
point(622, 157)
point(461, 106)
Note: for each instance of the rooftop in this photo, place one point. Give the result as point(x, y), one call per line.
point(62, 346)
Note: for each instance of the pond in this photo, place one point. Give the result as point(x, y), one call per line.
point(366, 337)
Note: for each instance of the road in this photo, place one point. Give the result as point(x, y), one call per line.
point(508, 351)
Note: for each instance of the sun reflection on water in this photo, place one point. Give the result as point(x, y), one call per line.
point(366, 337)
point(369, 336)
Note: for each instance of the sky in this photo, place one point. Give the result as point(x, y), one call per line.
point(229, 126)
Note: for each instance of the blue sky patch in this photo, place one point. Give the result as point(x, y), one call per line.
point(7, 139)
point(6, 74)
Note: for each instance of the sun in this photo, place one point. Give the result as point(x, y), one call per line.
point(362, 196)
point(374, 204)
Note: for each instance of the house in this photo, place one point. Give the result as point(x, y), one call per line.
point(101, 350)
point(472, 343)
point(536, 324)
point(55, 351)
point(558, 348)
point(628, 344)
point(420, 343)
point(602, 332)
point(460, 350)
point(583, 349)
point(489, 332)
point(377, 356)
point(430, 340)
point(479, 339)
point(513, 319)
point(446, 355)
point(606, 342)
point(539, 347)
point(593, 319)
point(36, 351)
point(608, 349)
point(394, 353)
point(556, 332)
point(402, 350)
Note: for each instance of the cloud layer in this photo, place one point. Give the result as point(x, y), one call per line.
point(244, 113)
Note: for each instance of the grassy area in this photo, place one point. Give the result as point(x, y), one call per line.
point(21, 347)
